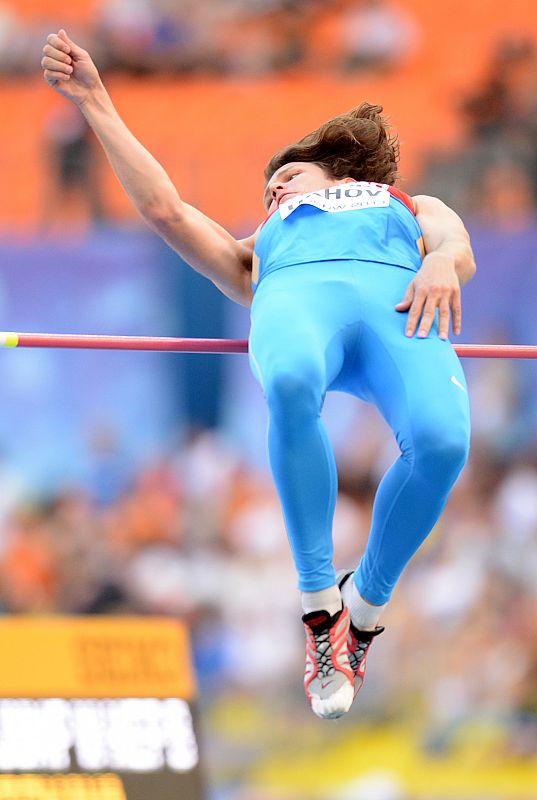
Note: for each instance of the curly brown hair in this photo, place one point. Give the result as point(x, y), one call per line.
point(355, 145)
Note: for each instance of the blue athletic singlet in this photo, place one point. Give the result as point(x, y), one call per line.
point(329, 269)
point(360, 221)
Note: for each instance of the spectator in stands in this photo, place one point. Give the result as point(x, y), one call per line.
point(11, 32)
point(375, 35)
point(500, 148)
point(183, 37)
point(504, 196)
point(64, 557)
point(126, 31)
point(72, 192)
point(258, 41)
point(502, 114)
point(506, 103)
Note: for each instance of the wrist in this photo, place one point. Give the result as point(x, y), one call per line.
point(440, 256)
point(94, 100)
point(438, 260)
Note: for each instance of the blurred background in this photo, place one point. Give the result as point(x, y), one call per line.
point(138, 483)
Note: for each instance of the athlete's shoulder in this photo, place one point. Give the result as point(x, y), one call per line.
point(426, 204)
point(403, 197)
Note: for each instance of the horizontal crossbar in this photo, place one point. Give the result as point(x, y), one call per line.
point(174, 345)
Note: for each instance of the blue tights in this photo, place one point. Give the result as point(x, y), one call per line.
point(332, 326)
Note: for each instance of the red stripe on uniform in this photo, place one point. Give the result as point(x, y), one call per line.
point(403, 197)
point(267, 218)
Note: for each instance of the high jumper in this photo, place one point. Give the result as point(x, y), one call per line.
point(352, 286)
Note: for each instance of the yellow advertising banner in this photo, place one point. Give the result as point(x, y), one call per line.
point(93, 657)
point(61, 787)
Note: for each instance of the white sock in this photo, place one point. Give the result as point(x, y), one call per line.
point(364, 616)
point(325, 600)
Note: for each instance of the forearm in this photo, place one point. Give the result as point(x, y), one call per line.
point(458, 249)
point(143, 178)
point(199, 240)
point(444, 234)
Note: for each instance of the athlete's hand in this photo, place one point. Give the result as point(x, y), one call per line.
point(68, 68)
point(436, 286)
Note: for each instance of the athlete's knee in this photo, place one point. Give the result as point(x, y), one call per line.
point(296, 389)
point(441, 448)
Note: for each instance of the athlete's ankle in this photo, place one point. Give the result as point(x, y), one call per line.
point(324, 600)
point(364, 615)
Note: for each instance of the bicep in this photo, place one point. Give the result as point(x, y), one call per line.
point(438, 222)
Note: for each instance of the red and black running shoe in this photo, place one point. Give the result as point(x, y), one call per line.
point(328, 677)
point(358, 642)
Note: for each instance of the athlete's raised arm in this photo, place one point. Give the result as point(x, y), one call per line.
point(447, 265)
point(201, 241)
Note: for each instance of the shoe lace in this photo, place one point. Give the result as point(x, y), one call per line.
point(358, 647)
point(357, 654)
point(323, 653)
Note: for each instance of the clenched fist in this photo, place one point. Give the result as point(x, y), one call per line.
point(68, 68)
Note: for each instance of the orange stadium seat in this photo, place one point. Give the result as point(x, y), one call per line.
point(215, 136)
point(82, 11)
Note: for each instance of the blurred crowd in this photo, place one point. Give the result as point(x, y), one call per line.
point(234, 37)
point(199, 535)
point(489, 176)
point(492, 175)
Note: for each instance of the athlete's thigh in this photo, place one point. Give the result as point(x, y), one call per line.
point(302, 315)
point(414, 382)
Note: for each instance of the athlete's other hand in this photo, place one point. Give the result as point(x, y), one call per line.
point(436, 286)
point(68, 68)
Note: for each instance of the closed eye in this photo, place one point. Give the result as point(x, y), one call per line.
point(288, 177)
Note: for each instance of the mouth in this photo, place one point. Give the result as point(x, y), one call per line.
point(282, 197)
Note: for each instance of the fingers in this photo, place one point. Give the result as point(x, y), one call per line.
point(56, 65)
point(456, 314)
point(423, 310)
point(415, 312)
point(435, 298)
point(61, 43)
point(60, 55)
point(55, 41)
point(406, 302)
point(443, 318)
point(56, 57)
point(52, 75)
point(68, 42)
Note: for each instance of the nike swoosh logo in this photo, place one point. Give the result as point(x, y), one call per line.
point(457, 383)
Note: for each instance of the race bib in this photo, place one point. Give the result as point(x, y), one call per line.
point(345, 197)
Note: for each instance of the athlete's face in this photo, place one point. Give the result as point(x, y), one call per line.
point(298, 177)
